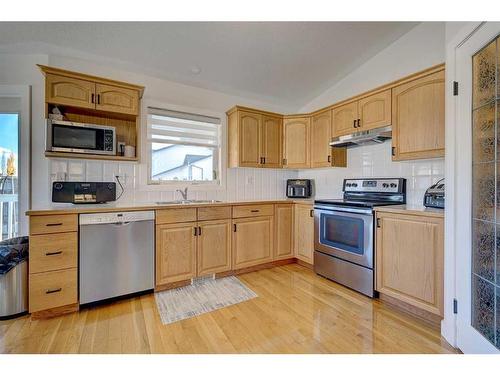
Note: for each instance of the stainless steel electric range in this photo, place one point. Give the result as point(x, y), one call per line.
point(344, 230)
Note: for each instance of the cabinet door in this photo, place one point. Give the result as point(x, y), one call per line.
point(409, 260)
point(249, 139)
point(117, 99)
point(283, 246)
point(214, 247)
point(175, 252)
point(321, 151)
point(69, 91)
point(375, 110)
point(418, 118)
point(304, 233)
point(271, 141)
point(344, 119)
point(296, 140)
point(252, 241)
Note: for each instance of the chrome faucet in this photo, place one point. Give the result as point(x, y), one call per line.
point(184, 193)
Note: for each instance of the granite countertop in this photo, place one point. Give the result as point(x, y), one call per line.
point(413, 210)
point(68, 208)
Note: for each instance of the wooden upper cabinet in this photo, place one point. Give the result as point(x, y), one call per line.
point(77, 90)
point(322, 154)
point(69, 91)
point(375, 110)
point(175, 252)
point(321, 134)
point(249, 139)
point(271, 144)
point(409, 259)
point(283, 244)
point(214, 247)
point(345, 119)
point(296, 142)
point(418, 118)
point(116, 99)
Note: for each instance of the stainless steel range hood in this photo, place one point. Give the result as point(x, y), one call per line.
point(366, 137)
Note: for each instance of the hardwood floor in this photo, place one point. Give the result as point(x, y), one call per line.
point(296, 312)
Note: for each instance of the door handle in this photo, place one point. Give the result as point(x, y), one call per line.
point(254, 210)
point(311, 213)
point(50, 253)
point(354, 123)
point(378, 223)
point(264, 160)
point(329, 158)
point(92, 98)
point(234, 227)
point(53, 224)
point(98, 98)
point(50, 291)
point(195, 231)
point(199, 231)
point(359, 123)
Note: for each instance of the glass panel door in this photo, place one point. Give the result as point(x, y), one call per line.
point(485, 314)
point(9, 189)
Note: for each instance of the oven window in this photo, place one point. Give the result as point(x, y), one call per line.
point(74, 137)
point(342, 232)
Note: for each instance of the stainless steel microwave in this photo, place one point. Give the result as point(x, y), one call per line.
point(67, 136)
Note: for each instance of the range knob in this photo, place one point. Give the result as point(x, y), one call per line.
point(393, 185)
point(348, 184)
point(386, 185)
point(354, 184)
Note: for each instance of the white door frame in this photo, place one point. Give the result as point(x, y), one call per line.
point(23, 92)
point(460, 181)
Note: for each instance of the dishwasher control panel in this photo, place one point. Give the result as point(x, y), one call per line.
point(116, 217)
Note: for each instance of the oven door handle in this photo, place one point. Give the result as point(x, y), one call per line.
point(362, 211)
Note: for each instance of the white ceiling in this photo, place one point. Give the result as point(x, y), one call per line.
point(286, 62)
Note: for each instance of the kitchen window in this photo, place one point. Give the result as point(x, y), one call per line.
point(183, 147)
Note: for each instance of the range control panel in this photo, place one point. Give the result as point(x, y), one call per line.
point(374, 185)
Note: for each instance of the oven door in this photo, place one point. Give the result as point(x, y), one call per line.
point(345, 233)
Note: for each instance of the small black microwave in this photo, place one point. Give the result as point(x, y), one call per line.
point(75, 137)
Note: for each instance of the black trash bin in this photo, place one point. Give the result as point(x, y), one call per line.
point(13, 277)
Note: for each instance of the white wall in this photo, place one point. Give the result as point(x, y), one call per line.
point(422, 47)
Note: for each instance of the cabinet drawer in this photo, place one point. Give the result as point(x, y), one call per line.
point(253, 210)
point(175, 215)
point(214, 213)
point(53, 224)
point(53, 289)
point(51, 252)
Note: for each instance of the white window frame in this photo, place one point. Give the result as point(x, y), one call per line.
point(145, 182)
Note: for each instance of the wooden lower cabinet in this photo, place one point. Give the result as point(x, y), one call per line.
point(213, 247)
point(50, 290)
point(283, 244)
point(304, 233)
point(409, 260)
point(175, 252)
point(252, 241)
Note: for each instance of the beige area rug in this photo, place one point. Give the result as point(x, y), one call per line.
point(201, 297)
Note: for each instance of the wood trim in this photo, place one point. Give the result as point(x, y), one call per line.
point(252, 110)
point(56, 311)
point(304, 264)
point(430, 318)
point(67, 73)
point(69, 155)
point(173, 285)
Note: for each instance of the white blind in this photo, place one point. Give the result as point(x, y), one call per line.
point(172, 127)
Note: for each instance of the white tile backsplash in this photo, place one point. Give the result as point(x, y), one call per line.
point(241, 183)
point(254, 183)
point(376, 161)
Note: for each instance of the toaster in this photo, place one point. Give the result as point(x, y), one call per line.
point(434, 196)
point(296, 188)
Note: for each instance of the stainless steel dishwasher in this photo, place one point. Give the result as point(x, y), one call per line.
point(116, 254)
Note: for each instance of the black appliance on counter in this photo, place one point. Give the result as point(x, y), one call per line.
point(296, 188)
point(83, 192)
point(434, 196)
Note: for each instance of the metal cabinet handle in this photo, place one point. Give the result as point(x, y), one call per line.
point(354, 123)
point(234, 227)
point(53, 224)
point(199, 231)
point(50, 253)
point(254, 210)
point(50, 291)
point(264, 160)
point(92, 98)
point(311, 213)
point(98, 98)
point(329, 158)
point(195, 231)
point(359, 123)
